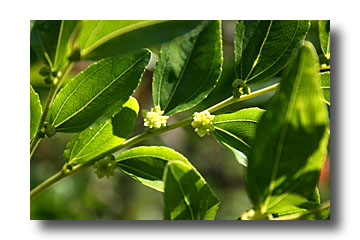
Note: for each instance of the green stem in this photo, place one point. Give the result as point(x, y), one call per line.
point(139, 138)
point(53, 90)
point(232, 100)
point(57, 177)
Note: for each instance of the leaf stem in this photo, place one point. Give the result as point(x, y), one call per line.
point(53, 90)
point(141, 137)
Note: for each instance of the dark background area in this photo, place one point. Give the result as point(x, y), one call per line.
point(84, 196)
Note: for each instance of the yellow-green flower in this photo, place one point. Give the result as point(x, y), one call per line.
point(105, 167)
point(202, 122)
point(154, 118)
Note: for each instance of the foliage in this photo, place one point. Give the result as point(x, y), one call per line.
point(280, 145)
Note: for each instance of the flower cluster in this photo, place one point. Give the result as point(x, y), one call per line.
point(105, 167)
point(154, 118)
point(202, 122)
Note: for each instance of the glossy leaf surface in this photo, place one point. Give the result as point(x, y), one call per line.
point(187, 196)
point(104, 38)
point(324, 35)
point(35, 112)
point(236, 131)
point(188, 68)
point(325, 86)
point(263, 48)
point(147, 164)
point(98, 93)
point(291, 138)
point(94, 141)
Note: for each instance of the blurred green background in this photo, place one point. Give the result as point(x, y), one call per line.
point(84, 197)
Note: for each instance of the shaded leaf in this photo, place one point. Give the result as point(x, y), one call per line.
point(50, 39)
point(147, 164)
point(236, 131)
point(291, 138)
point(187, 196)
point(98, 93)
point(99, 39)
point(324, 35)
point(263, 48)
point(63, 47)
point(35, 112)
point(94, 141)
point(188, 68)
point(325, 86)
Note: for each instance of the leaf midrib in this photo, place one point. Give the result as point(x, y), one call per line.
point(92, 138)
point(119, 32)
point(182, 71)
point(76, 88)
point(186, 200)
point(260, 51)
point(138, 170)
point(237, 120)
point(58, 43)
point(281, 55)
point(102, 91)
point(232, 135)
point(280, 143)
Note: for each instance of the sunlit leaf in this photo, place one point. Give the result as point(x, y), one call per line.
point(187, 196)
point(291, 139)
point(97, 94)
point(35, 112)
point(95, 141)
point(236, 131)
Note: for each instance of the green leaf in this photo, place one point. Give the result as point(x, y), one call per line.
point(188, 68)
point(99, 39)
point(236, 131)
point(324, 35)
point(35, 112)
point(94, 141)
point(187, 196)
point(124, 121)
point(147, 164)
point(263, 48)
point(295, 203)
point(325, 86)
point(63, 47)
point(50, 39)
point(312, 212)
point(32, 24)
point(291, 138)
point(98, 93)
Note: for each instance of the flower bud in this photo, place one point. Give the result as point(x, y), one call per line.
point(45, 71)
point(49, 130)
point(105, 167)
point(246, 90)
point(48, 81)
point(236, 93)
point(238, 83)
